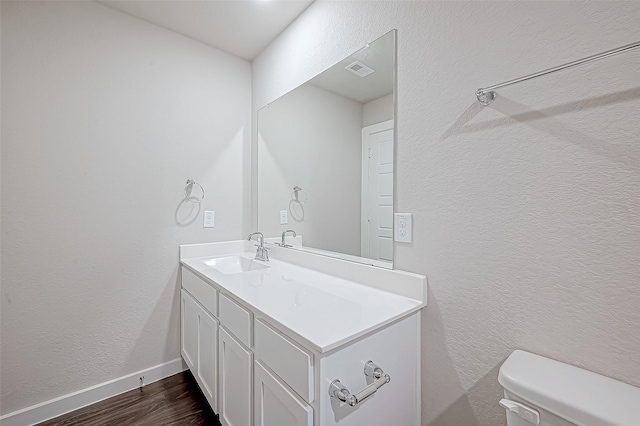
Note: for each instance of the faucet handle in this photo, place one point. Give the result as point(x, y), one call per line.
point(262, 253)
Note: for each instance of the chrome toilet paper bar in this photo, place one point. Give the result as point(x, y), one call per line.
point(339, 391)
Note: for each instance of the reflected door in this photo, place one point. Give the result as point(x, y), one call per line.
point(377, 191)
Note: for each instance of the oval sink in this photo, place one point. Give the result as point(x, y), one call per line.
point(235, 264)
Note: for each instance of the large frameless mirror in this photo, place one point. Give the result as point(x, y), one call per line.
point(325, 159)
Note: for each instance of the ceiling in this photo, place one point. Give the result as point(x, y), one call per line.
point(240, 27)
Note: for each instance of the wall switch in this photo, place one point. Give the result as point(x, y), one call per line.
point(402, 227)
point(284, 217)
point(209, 218)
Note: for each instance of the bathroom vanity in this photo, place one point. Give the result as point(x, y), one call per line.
point(300, 340)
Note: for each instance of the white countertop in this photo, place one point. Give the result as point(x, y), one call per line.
point(322, 311)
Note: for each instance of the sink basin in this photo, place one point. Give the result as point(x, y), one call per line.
point(234, 264)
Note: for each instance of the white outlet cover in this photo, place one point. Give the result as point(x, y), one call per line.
point(284, 217)
point(402, 227)
point(209, 219)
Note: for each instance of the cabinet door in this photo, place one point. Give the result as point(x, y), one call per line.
point(207, 357)
point(275, 405)
point(236, 363)
point(189, 331)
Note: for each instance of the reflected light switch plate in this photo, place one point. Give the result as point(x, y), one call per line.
point(402, 227)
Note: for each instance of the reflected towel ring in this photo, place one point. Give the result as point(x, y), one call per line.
point(189, 187)
point(296, 195)
point(297, 210)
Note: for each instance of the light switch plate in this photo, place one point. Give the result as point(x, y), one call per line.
point(284, 217)
point(209, 219)
point(402, 227)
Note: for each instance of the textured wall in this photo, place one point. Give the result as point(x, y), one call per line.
point(526, 213)
point(312, 138)
point(104, 117)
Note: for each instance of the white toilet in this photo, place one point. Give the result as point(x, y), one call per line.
point(544, 392)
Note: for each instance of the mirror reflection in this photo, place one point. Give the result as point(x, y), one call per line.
point(325, 160)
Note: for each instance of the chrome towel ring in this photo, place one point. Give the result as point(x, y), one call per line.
point(296, 207)
point(188, 189)
point(297, 191)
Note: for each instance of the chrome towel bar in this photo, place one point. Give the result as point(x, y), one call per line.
point(487, 95)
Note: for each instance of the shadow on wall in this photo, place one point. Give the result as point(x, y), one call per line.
point(477, 402)
point(186, 212)
point(446, 402)
point(459, 125)
point(544, 121)
point(453, 406)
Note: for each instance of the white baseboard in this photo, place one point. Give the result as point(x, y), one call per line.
point(73, 401)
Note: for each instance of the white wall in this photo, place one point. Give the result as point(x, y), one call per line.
point(377, 111)
point(525, 212)
point(104, 117)
point(313, 139)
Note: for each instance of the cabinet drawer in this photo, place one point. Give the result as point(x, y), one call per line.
point(206, 295)
point(236, 319)
point(289, 361)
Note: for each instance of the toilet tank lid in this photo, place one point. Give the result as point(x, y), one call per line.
point(577, 395)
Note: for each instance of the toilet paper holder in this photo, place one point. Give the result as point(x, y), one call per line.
point(339, 391)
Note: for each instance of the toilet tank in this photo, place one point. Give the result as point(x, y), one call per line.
point(551, 393)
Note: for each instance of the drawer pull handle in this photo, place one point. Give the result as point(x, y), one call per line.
point(339, 391)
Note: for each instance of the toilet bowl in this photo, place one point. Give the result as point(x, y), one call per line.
point(541, 391)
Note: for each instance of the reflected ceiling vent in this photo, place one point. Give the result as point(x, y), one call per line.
point(359, 69)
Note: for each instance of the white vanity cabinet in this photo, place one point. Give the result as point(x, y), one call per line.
point(270, 347)
point(283, 379)
point(199, 333)
point(220, 363)
point(199, 342)
point(189, 330)
point(224, 343)
point(236, 368)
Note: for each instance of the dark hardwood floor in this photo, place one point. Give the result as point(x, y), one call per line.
point(176, 400)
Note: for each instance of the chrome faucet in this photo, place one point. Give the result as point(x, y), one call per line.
point(262, 253)
point(283, 244)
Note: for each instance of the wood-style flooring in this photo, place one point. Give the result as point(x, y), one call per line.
point(176, 400)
